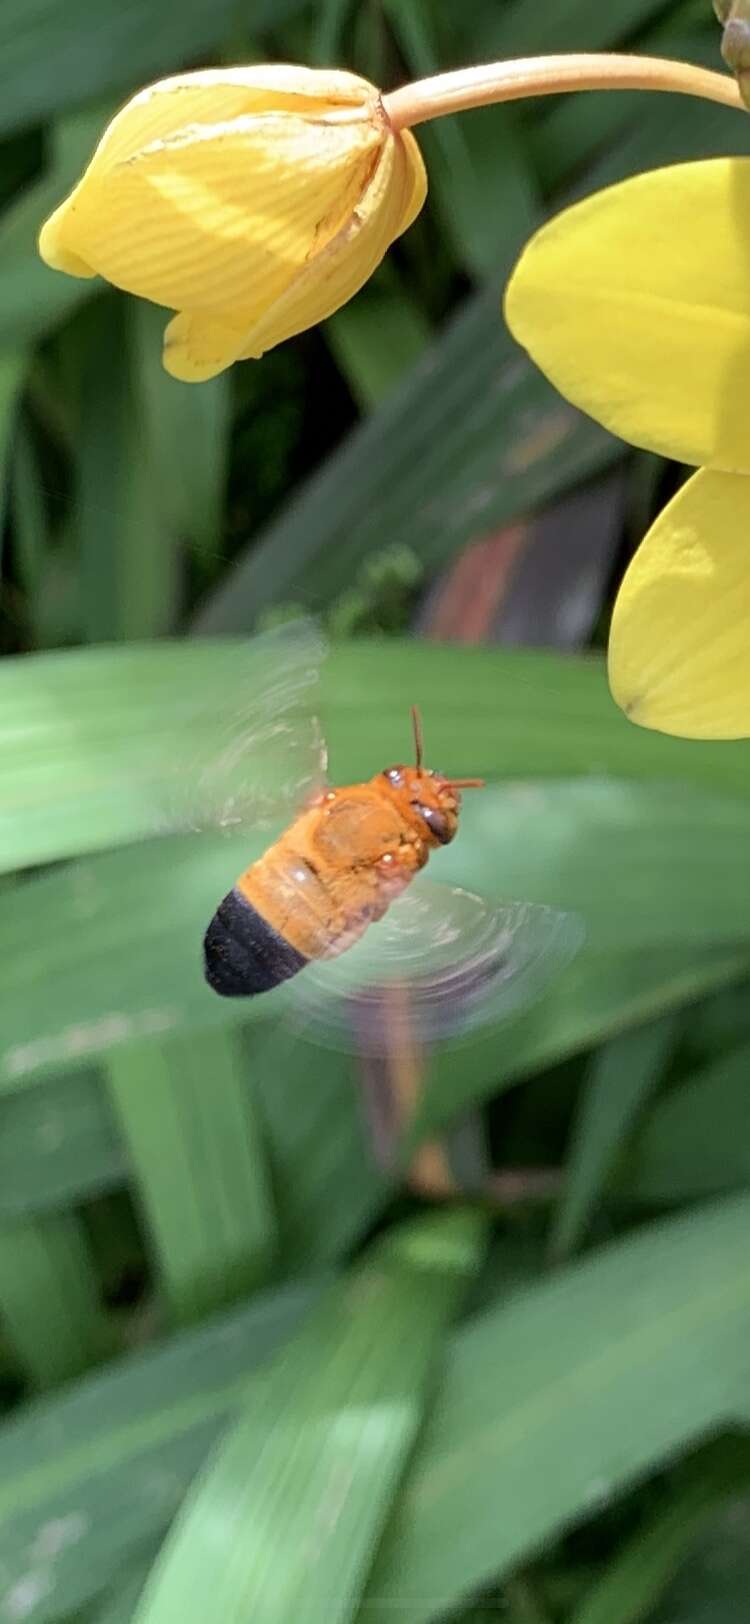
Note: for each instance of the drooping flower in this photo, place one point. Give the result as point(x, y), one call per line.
point(253, 201)
point(636, 304)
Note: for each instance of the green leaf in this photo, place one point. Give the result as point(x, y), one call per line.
point(59, 1145)
point(640, 1571)
point(49, 1298)
point(128, 562)
point(377, 337)
point(469, 160)
point(12, 367)
point(712, 1587)
point(694, 1141)
point(56, 53)
point(33, 297)
point(120, 967)
point(601, 995)
point(554, 1403)
point(120, 1603)
point(314, 1459)
point(470, 439)
point(185, 433)
point(186, 1110)
point(90, 738)
point(30, 525)
point(619, 1080)
point(105, 1465)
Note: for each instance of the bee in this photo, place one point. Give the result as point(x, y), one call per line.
point(336, 870)
point(338, 904)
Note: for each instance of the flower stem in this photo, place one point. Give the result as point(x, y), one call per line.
point(547, 76)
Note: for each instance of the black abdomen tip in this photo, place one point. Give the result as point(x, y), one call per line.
point(243, 954)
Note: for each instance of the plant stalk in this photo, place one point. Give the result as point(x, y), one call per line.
point(548, 76)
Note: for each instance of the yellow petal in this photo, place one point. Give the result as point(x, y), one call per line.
point(679, 651)
point(216, 95)
point(392, 200)
point(636, 303)
point(198, 346)
point(225, 215)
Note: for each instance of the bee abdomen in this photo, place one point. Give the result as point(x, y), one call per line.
point(243, 954)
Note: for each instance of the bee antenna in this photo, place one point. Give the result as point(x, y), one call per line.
point(466, 783)
point(416, 722)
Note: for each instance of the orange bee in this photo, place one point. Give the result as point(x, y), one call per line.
point(339, 866)
point(349, 858)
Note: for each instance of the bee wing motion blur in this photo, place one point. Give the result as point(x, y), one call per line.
point(443, 962)
point(344, 865)
point(264, 755)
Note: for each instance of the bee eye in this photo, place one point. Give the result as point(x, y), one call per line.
point(395, 775)
point(437, 822)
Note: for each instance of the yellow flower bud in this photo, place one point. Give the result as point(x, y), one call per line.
point(253, 201)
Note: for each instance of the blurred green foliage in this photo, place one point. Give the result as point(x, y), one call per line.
point(245, 1369)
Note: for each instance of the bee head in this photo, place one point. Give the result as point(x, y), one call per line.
point(428, 799)
point(433, 801)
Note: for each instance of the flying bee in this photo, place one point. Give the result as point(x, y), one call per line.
point(338, 903)
point(336, 870)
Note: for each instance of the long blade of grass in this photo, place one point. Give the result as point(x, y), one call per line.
point(285, 1520)
point(554, 1403)
point(620, 1078)
point(107, 1463)
point(195, 1147)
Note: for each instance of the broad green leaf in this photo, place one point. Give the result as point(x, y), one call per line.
point(89, 738)
point(89, 1477)
point(49, 1299)
point(315, 1457)
point(554, 1403)
point(198, 1163)
point(694, 1142)
point(123, 961)
point(105, 745)
point(639, 1573)
point(57, 54)
point(619, 1080)
point(623, 331)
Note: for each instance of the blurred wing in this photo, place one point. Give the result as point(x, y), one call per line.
point(441, 962)
point(263, 754)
